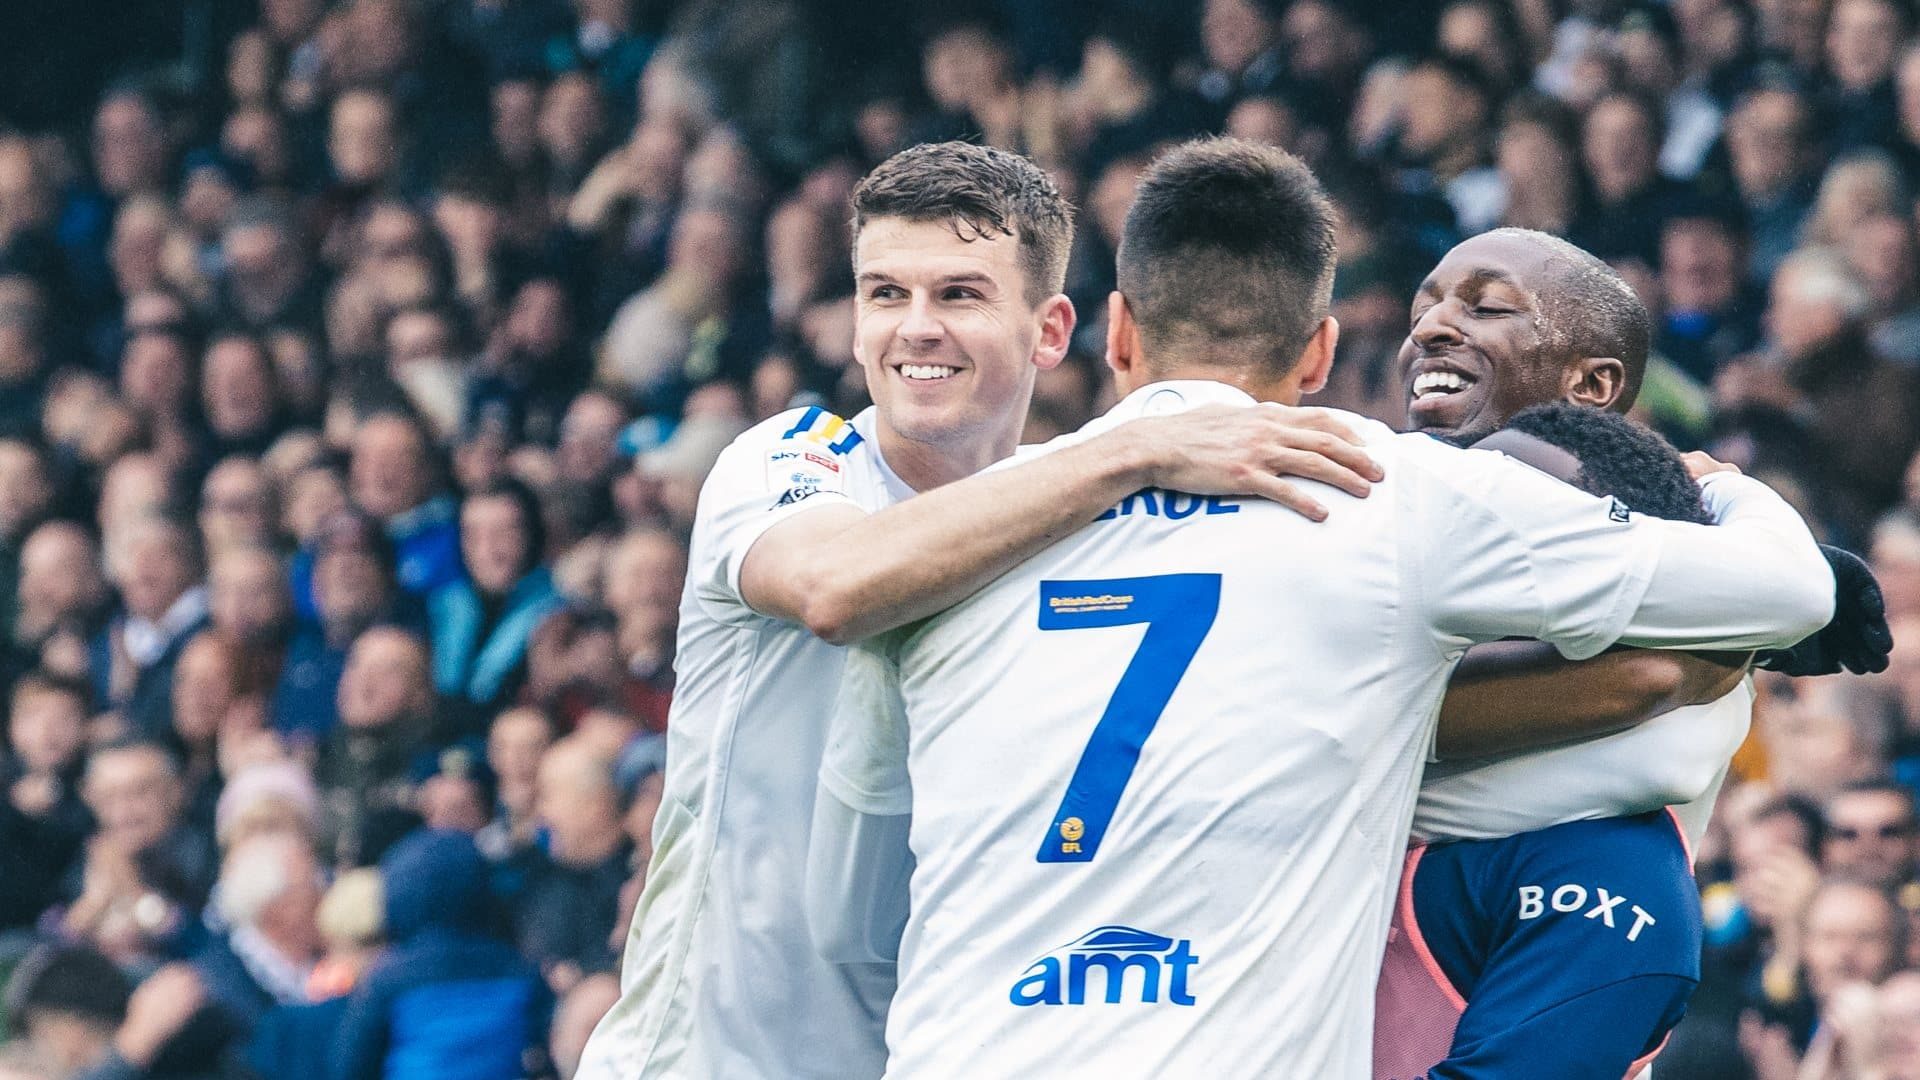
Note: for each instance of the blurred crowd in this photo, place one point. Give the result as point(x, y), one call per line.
point(361, 361)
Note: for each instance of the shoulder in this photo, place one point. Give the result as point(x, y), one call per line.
point(814, 425)
point(812, 441)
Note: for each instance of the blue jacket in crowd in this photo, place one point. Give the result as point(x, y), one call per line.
point(446, 1002)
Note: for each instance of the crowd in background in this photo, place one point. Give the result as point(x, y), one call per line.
point(361, 361)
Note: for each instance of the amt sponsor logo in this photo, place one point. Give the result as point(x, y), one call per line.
point(1115, 952)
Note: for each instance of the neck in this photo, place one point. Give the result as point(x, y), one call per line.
point(1282, 391)
point(925, 465)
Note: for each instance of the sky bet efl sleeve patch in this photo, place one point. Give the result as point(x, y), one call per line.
point(795, 465)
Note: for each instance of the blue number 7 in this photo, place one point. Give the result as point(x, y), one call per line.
point(1178, 610)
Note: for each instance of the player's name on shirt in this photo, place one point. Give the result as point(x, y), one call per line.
point(1173, 505)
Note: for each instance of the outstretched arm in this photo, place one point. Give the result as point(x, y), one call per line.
point(1512, 696)
point(1514, 553)
point(846, 575)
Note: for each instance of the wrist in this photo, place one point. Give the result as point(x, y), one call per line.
point(1138, 457)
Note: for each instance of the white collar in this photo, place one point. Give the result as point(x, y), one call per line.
point(146, 640)
point(1177, 395)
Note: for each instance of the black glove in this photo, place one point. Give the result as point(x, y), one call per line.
point(1856, 639)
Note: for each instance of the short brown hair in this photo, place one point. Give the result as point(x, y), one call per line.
point(1227, 256)
point(980, 192)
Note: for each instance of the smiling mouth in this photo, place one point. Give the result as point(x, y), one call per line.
point(927, 372)
point(1433, 385)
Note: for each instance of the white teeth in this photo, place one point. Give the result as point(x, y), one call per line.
point(927, 371)
point(1435, 383)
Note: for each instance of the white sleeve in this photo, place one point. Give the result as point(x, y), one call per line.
point(859, 863)
point(858, 870)
point(1503, 550)
point(1670, 760)
point(865, 763)
point(762, 478)
point(1708, 594)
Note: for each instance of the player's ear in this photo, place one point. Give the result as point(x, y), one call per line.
point(1598, 381)
point(1057, 319)
point(1316, 360)
point(1123, 340)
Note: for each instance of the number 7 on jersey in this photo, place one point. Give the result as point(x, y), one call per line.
point(1178, 610)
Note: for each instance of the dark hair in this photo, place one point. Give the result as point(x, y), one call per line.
point(1464, 74)
point(1533, 107)
point(74, 979)
point(1798, 807)
point(355, 529)
point(1646, 105)
point(1619, 458)
point(130, 743)
point(1876, 787)
point(533, 524)
point(1228, 250)
point(980, 191)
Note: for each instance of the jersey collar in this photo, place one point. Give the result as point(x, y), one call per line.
point(1178, 395)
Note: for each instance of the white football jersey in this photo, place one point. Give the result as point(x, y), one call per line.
point(1677, 759)
point(720, 978)
point(1161, 775)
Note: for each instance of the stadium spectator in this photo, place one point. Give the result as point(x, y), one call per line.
point(1870, 834)
point(573, 1020)
point(392, 478)
point(353, 588)
point(249, 607)
point(566, 907)
point(1709, 315)
point(269, 890)
point(1860, 407)
point(143, 874)
point(67, 1002)
point(365, 768)
point(1620, 145)
point(488, 1004)
point(163, 606)
point(516, 743)
point(482, 624)
point(1775, 171)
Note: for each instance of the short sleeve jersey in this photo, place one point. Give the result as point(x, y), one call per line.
point(1662, 762)
point(720, 977)
point(1161, 774)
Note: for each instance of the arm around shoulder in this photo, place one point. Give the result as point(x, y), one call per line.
point(1513, 696)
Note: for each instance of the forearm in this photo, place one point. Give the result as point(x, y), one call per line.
point(1756, 581)
point(929, 552)
point(1514, 696)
